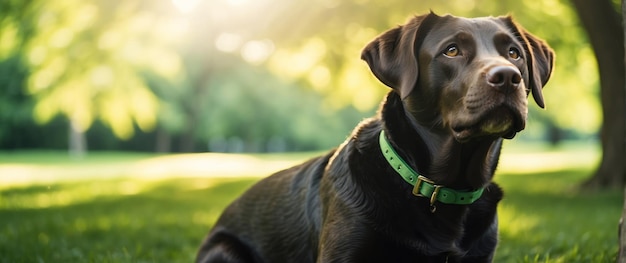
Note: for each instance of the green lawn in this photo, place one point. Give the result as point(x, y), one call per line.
point(120, 207)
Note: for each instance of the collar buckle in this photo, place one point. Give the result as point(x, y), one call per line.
point(435, 192)
point(418, 185)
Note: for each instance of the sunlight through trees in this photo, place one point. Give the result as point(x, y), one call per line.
point(168, 67)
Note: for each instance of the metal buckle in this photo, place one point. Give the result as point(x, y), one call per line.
point(433, 196)
point(418, 185)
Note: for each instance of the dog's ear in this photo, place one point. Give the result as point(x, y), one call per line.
point(539, 58)
point(392, 56)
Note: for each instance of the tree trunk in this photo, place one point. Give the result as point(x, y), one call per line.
point(188, 139)
point(163, 141)
point(603, 26)
point(622, 230)
point(77, 143)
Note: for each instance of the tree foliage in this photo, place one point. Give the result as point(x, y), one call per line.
point(319, 44)
point(607, 38)
point(85, 57)
point(249, 70)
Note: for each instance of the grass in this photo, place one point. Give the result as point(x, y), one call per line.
point(112, 220)
point(120, 207)
point(545, 218)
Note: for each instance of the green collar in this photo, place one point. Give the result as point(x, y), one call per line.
point(423, 186)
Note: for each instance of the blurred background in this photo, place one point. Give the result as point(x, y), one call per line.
point(96, 94)
point(238, 75)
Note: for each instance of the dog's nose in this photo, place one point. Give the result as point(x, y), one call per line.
point(504, 77)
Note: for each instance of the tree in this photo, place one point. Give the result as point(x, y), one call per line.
point(85, 60)
point(622, 230)
point(314, 45)
point(321, 47)
point(603, 26)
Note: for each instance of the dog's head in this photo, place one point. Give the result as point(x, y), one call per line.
point(470, 76)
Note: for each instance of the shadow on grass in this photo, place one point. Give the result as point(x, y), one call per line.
point(103, 221)
point(543, 218)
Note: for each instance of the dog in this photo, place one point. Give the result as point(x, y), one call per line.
point(414, 183)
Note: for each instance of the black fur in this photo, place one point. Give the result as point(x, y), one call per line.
point(351, 206)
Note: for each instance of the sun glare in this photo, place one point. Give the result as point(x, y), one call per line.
point(228, 42)
point(185, 6)
point(257, 51)
point(237, 2)
point(221, 16)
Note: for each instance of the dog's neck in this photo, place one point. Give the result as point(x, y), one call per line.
point(434, 152)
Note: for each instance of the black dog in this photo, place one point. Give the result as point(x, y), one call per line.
point(459, 86)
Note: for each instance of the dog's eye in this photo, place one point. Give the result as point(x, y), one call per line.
point(451, 51)
point(514, 53)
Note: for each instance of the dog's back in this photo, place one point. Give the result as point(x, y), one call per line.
point(279, 213)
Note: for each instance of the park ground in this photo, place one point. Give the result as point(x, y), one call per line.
point(137, 207)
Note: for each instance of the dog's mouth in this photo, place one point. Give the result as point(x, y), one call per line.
point(499, 122)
